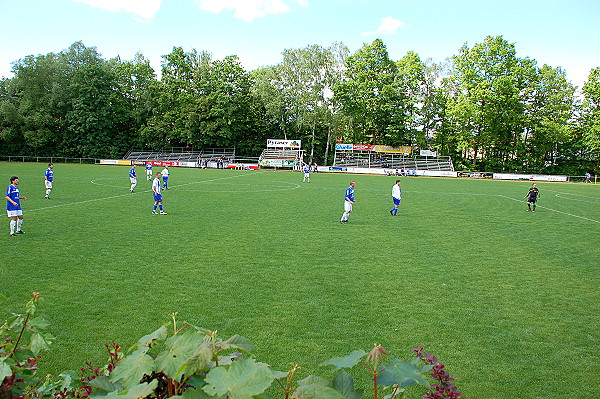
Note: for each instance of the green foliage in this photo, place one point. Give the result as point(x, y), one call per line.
point(487, 107)
point(183, 362)
point(22, 339)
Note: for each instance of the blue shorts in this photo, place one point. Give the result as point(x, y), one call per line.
point(158, 198)
point(396, 201)
point(165, 178)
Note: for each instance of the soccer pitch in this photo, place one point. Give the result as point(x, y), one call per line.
point(507, 299)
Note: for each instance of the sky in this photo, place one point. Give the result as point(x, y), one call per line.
point(560, 33)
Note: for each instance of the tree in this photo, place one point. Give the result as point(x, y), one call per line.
point(487, 109)
point(548, 136)
point(369, 96)
point(590, 118)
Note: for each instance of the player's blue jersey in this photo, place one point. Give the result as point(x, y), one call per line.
point(12, 192)
point(148, 166)
point(132, 172)
point(306, 169)
point(349, 194)
point(49, 174)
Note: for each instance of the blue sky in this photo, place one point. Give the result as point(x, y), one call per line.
point(558, 33)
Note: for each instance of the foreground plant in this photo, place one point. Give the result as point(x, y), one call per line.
point(183, 361)
point(22, 338)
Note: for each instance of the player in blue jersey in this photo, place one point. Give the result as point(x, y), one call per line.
point(13, 207)
point(148, 171)
point(165, 177)
point(48, 179)
point(132, 178)
point(348, 201)
point(157, 195)
point(306, 170)
point(396, 197)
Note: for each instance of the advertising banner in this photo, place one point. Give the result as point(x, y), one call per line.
point(188, 164)
point(278, 163)
point(344, 147)
point(362, 147)
point(515, 176)
point(428, 153)
point(293, 144)
point(115, 162)
point(405, 149)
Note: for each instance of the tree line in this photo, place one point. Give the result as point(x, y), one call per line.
point(486, 107)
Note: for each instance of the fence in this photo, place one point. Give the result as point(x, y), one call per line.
point(25, 158)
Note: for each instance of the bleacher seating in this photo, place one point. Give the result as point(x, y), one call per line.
point(188, 156)
point(392, 161)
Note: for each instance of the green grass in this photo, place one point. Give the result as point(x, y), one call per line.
point(507, 299)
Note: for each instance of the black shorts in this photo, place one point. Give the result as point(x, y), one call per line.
point(532, 200)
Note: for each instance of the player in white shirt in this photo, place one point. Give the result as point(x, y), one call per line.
point(13, 206)
point(157, 195)
point(48, 179)
point(306, 170)
point(132, 178)
point(396, 197)
point(165, 177)
point(348, 201)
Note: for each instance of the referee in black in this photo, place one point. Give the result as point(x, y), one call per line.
point(533, 195)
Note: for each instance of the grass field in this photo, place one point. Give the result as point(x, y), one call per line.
point(507, 299)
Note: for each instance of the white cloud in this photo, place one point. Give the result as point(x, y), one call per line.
point(388, 26)
point(247, 10)
point(144, 9)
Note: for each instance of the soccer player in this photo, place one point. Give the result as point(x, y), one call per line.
point(587, 177)
point(533, 195)
point(165, 177)
point(13, 206)
point(348, 201)
point(132, 178)
point(157, 195)
point(48, 179)
point(396, 197)
point(306, 170)
point(148, 171)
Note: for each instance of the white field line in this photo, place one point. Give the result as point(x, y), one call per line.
point(128, 194)
point(553, 210)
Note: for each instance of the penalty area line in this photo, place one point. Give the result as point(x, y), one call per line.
point(553, 210)
point(124, 195)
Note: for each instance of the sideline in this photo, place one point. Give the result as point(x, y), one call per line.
point(550, 209)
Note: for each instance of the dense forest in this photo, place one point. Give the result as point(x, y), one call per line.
point(486, 107)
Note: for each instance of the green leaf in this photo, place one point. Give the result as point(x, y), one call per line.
point(135, 392)
point(31, 307)
point(5, 369)
point(38, 322)
point(197, 362)
point(314, 380)
point(132, 368)
point(192, 393)
point(67, 379)
point(238, 342)
point(103, 383)
point(345, 362)
point(242, 380)
point(344, 384)
point(179, 349)
point(316, 392)
point(159, 334)
point(402, 373)
point(39, 342)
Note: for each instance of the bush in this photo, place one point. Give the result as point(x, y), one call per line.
point(183, 361)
